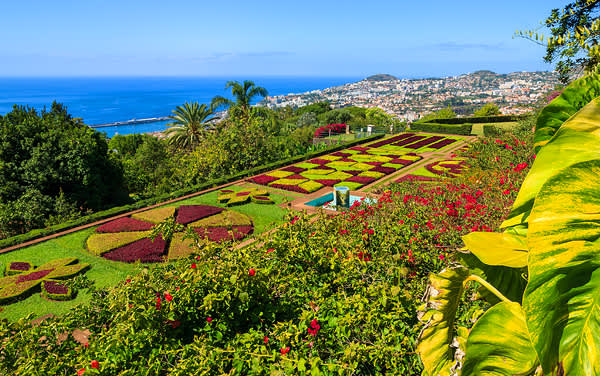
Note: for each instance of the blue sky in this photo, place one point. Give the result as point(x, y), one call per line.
point(234, 38)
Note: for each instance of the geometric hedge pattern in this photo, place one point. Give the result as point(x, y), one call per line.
point(357, 166)
point(127, 239)
point(22, 277)
point(437, 170)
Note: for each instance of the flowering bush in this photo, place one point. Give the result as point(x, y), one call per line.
point(333, 129)
point(330, 294)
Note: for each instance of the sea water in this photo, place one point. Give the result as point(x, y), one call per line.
point(101, 100)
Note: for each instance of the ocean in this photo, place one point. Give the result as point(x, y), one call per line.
point(101, 100)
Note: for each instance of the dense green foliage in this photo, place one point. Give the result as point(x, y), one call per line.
point(444, 113)
point(573, 40)
point(335, 296)
point(489, 109)
point(462, 129)
point(52, 168)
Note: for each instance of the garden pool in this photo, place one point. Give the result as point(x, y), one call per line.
point(326, 201)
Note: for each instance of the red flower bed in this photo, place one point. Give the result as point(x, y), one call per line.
point(328, 182)
point(125, 224)
point(361, 179)
point(294, 169)
point(262, 198)
point(293, 188)
point(415, 178)
point(404, 162)
point(341, 154)
point(242, 193)
point(295, 176)
point(359, 148)
point(221, 234)
point(53, 287)
point(190, 213)
point(346, 160)
point(375, 163)
point(264, 179)
point(144, 250)
point(393, 156)
point(384, 170)
point(442, 143)
point(20, 266)
point(318, 161)
point(353, 172)
point(425, 142)
point(408, 140)
point(391, 140)
point(226, 191)
point(33, 276)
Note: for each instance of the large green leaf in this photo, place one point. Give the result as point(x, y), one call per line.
point(576, 141)
point(501, 249)
point(443, 295)
point(579, 93)
point(499, 344)
point(562, 299)
point(509, 281)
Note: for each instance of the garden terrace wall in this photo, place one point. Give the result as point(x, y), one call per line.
point(39, 233)
point(459, 129)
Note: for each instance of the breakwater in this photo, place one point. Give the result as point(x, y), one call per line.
point(132, 122)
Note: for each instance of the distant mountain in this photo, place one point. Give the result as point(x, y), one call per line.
point(381, 77)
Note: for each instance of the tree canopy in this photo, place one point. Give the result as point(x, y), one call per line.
point(488, 109)
point(243, 93)
point(48, 161)
point(574, 36)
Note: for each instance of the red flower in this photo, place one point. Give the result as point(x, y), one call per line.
point(174, 323)
point(158, 303)
point(81, 372)
point(294, 219)
point(95, 364)
point(285, 350)
point(442, 257)
point(128, 280)
point(266, 339)
point(269, 250)
point(193, 265)
point(168, 297)
point(209, 319)
point(251, 272)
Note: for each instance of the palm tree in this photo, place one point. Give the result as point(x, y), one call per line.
point(189, 124)
point(243, 94)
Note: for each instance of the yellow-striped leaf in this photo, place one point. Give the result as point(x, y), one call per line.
point(443, 295)
point(576, 141)
point(499, 344)
point(501, 249)
point(562, 299)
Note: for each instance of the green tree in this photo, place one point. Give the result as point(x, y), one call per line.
point(189, 124)
point(243, 93)
point(574, 38)
point(307, 119)
point(46, 155)
point(445, 113)
point(489, 109)
point(377, 116)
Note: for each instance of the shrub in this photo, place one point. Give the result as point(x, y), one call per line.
point(125, 224)
point(143, 250)
point(310, 186)
point(101, 243)
point(191, 213)
point(17, 267)
point(460, 129)
point(279, 173)
point(55, 290)
point(155, 215)
point(225, 218)
point(350, 185)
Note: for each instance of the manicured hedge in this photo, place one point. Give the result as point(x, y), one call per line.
point(476, 120)
point(460, 129)
point(38, 233)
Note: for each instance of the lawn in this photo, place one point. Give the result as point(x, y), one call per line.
point(477, 129)
point(106, 273)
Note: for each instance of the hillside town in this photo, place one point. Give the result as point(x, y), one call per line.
point(409, 99)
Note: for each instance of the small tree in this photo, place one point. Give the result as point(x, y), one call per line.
point(445, 113)
point(489, 109)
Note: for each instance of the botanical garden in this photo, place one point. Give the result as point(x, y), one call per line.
point(470, 245)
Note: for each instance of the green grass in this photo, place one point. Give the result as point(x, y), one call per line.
point(477, 129)
point(106, 273)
